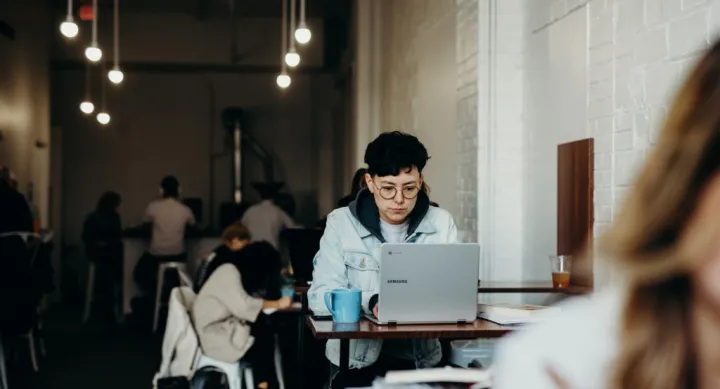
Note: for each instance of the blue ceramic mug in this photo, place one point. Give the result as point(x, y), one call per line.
point(344, 305)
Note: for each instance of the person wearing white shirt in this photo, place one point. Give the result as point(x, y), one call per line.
point(168, 219)
point(266, 220)
point(659, 327)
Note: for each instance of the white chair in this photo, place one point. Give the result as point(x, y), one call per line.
point(90, 296)
point(164, 267)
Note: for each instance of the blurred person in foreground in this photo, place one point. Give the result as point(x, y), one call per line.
point(659, 328)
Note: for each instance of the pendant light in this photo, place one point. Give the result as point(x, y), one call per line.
point(93, 52)
point(292, 58)
point(103, 117)
point(302, 33)
point(86, 106)
point(283, 79)
point(116, 75)
point(68, 27)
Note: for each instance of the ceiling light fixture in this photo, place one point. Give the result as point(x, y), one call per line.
point(116, 75)
point(283, 79)
point(292, 58)
point(302, 33)
point(93, 52)
point(68, 27)
point(86, 106)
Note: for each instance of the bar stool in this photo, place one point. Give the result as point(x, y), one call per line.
point(90, 294)
point(164, 267)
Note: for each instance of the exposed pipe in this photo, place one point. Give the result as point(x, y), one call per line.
point(237, 161)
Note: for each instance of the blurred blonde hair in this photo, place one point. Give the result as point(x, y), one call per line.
point(659, 236)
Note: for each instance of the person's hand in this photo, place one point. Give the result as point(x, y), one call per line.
point(375, 310)
point(284, 302)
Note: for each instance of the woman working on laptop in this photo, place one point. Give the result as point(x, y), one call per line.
point(392, 209)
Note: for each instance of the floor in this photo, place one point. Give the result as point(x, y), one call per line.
point(98, 356)
point(89, 356)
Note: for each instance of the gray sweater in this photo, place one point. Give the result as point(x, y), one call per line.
point(221, 315)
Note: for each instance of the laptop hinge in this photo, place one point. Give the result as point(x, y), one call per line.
point(462, 321)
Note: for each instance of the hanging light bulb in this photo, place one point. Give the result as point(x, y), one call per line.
point(93, 52)
point(115, 75)
point(283, 80)
point(292, 58)
point(87, 107)
point(68, 27)
point(103, 118)
point(302, 34)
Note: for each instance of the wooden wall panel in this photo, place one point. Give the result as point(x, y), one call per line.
point(575, 207)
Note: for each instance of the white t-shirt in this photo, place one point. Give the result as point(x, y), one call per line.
point(265, 221)
point(398, 348)
point(169, 218)
point(394, 233)
point(579, 344)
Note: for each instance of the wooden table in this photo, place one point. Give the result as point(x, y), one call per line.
point(529, 287)
point(510, 287)
point(327, 330)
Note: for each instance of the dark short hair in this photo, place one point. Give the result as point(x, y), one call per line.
point(170, 186)
point(392, 152)
point(108, 202)
point(236, 230)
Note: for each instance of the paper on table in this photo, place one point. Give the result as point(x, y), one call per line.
point(447, 374)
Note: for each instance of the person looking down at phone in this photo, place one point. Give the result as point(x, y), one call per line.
point(393, 209)
point(228, 313)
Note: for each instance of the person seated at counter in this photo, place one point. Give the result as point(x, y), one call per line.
point(266, 220)
point(394, 209)
point(167, 218)
point(228, 313)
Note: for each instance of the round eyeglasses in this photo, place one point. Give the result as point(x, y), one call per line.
point(389, 192)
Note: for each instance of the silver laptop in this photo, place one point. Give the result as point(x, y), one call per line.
point(428, 283)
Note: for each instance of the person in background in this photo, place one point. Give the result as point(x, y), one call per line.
point(228, 312)
point(286, 202)
point(394, 209)
point(357, 184)
point(266, 220)
point(168, 219)
point(658, 325)
point(234, 239)
point(15, 270)
point(102, 238)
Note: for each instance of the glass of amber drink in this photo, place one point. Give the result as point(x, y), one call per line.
point(560, 270)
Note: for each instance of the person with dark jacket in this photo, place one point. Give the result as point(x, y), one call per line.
point(102, 238)
point(15, 257)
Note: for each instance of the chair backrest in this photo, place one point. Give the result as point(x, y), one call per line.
point(201, 275)
point(302, 244)
point(180, 348)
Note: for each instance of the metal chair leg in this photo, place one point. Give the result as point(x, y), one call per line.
point(3, 367)
point(158, 296)
point(33, 353)
point(278, 364)
point(89, 293)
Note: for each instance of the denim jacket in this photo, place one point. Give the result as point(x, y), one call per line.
point(349, 257)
